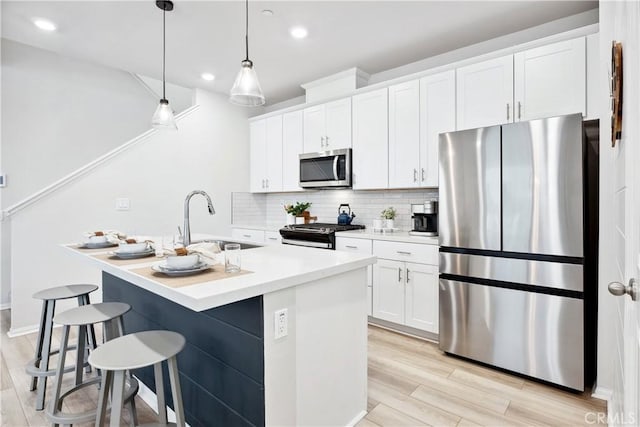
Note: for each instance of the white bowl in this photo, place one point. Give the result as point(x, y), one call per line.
point(130, 248)
point(97, 239)
point(182, 262)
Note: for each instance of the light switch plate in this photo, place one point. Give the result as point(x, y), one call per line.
point(123, 204)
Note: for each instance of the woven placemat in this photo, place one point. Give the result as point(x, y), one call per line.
point(214, 273)
point(118, 261)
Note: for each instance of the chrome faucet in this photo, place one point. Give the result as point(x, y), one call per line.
point(186, 240)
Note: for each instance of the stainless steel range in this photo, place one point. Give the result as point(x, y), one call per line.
point(317, 235)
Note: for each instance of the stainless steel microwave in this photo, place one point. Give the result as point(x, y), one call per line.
point(326, 169)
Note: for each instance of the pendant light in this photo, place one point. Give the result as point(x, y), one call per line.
point(246, 90)
point(163, 117)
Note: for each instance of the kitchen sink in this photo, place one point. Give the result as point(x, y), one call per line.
point(242, 244)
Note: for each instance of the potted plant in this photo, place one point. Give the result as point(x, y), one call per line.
point(296, 213)
point(388, 215)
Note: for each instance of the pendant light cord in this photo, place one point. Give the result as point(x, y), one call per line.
point(164, 50)
point(246, 32)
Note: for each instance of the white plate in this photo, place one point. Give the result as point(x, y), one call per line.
point(160, 268)
point(162, 265)
point(132, 255)
point(89, 245)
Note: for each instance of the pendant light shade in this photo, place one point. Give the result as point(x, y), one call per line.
point(246, 90)
point(163, 117)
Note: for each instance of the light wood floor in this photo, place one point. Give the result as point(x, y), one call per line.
point(411, 383)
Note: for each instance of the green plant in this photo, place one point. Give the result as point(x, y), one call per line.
point(389, 213)
point(297, 209)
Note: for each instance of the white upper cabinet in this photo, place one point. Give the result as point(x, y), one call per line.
point(257, 156)
point(541, 82)
point(437, 115)
point(265, 155)
point(404, 134)
point(327, 126)
point(370, 140)
point(292, 147)
point(485, 93)
point(274, 154)
point(550, 80)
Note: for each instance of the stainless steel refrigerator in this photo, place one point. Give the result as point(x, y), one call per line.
point(511, 224)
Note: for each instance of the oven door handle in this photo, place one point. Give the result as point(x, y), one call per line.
point(307, 243)
point(335, 167)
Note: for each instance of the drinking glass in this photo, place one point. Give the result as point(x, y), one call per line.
point(232, 257)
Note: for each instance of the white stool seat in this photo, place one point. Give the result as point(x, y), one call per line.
point(137, 350)
point(64, 292)
point(90, 314)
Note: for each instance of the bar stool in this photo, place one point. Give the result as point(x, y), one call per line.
point(38, 367)
point(109, 314)
point(135, 351)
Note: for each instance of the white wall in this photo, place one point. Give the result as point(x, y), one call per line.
point(60, 113)
point(209, 152)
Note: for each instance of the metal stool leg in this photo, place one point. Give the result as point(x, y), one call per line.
point(38, 355)
point(133, 421)
point(91, 333)
point(162, 406)
point(176, 392)
point(117, 399)
point(80, 353)
point(46, 349)
point(107, 379)
point(61, 360)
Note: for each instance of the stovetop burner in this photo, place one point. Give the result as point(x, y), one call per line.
point(324, 227)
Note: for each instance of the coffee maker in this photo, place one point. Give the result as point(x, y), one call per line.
point(425, 219)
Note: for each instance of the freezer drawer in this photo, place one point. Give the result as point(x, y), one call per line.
point(469, 180)
point(542, 186)
point(554, 275)
point(534, 334)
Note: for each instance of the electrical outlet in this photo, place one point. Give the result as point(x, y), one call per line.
point(281, 323)
point(123, 204)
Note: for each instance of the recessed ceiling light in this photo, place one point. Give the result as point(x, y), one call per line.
point(45, 25)
point(267, 12)
point(207, 76)
point(298, 32)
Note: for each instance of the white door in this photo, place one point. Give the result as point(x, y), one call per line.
point(388, 290)
point(274, 153)
point(404, 134)
point(337, 118)
point(485, 93)
point(314, 129)
point(437, 115)
point(257, 156)
point(421, 297)
point(551, 80)
point(370, 140)
point(621, 21)
point(292, 147)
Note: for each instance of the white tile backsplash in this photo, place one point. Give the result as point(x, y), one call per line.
point(267, 209)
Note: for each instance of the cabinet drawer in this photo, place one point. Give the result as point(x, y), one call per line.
point(272, 237)
point(248, 234)
point(349, 244)
point(409, 252)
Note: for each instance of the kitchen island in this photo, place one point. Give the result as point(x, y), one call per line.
point(233, 370)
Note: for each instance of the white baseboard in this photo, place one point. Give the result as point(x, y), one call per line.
point(357, 418)
point(602, 393)
point(151, 399)
point(25, 330)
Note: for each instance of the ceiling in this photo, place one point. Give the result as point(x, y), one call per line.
point(208, 36)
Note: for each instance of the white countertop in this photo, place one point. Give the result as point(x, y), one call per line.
point(396, 236)
point(274, 268)
point(258, 227)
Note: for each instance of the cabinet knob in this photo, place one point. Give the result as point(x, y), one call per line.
point(618, 289)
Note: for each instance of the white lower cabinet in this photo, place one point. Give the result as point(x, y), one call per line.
point(362, 246)
point(405, 293)
point(256, 236)
point(272, 237)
